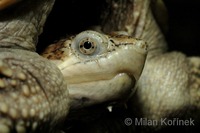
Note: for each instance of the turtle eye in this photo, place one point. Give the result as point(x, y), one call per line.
point(87, 46)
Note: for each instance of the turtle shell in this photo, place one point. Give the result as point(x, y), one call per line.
point(7, 3)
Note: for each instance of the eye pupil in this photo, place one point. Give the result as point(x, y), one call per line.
point(87, 45)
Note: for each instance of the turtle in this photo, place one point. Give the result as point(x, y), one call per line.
point(37, 92)
point(169, 83)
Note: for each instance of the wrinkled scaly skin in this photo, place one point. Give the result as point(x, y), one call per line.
point(30, 86)
point(37, 87)
point(169, 86)
point(170, 82)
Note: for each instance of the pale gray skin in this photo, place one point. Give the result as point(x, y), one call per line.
point(170, 82)
point(34, 94)
point(153, 101)
point(27, 79)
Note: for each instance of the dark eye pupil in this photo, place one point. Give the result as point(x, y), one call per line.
point(87, 45)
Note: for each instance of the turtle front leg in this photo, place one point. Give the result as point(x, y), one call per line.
point(33, 94)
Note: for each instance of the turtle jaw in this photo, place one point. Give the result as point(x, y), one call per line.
point(117, 88)
point(110, 77)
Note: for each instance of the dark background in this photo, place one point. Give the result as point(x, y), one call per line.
point(184, 26)
point(72, 16)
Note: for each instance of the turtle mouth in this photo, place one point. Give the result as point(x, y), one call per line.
point(95, 77)
point(116, 88)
